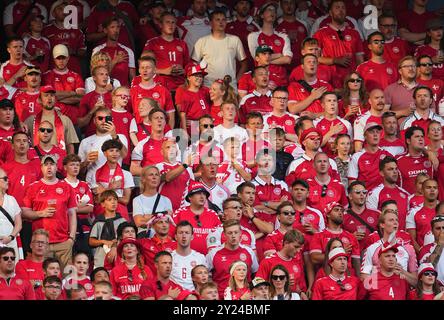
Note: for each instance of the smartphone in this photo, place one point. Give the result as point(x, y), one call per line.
point(108, 119)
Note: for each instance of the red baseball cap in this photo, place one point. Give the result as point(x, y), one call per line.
point(387, 247)
point(192, 68)
point(46, 89)
point(308, 132)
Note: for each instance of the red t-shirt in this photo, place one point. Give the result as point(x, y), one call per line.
point(377, 75)
point(120, 70)
point(387, 288)
point(327, 288)
point(395, 50)
point(88, 102)
point(193, 104)
point(16, 289)
point(7, 70)
point(148, 152)
point(177, 189)
point(324, 73)
point(409, 168)
point(157, 92)
point(319, 243)
point(324, 125)
point(59, 153)
point(351, 224)
point(153, 288)
point(296, 32)
point(413, 295)
point(335, 191)
point(81, 189)
point(419, 219)
point(125, 286)
point(254, 102)
point(32, 44)
point(297, 93)
point(437, 86)
point(36, 198)
point(30, 270)
point(26, 104)
point(15, 13)
point(152, 246)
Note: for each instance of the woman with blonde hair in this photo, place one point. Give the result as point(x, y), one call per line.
point(221, 91)
point(100, 59)
point(238, 288)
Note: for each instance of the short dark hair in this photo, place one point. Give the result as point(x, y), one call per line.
point(107, 22)
point(278, 132)
point(52, 279)
point(15, 134)
point(5, 250)
point(112, 144)
point(411, 131)
point(161, 254)
point(147, 58)
point(388, 114)
point(300, 182)
point(96, 271)
point(215, 12)
point(230, 199)
point(388, 202)
point(48, 261)
point(374, 34)
point(255, 69)
point(123, 226)
point(185, 223)
point(254, 115)
point(293, 236)
point(422, 88)
point(106, 194)
point(300, 124)
point(280, 89)
point(12, 39)
point(243, 185)
point(155, 110)
point(308, 41)
point(72, 157)
point(326, 94)
point(387, 159)
point(282, 205)
point(229, 223)
point(333, 2)
point(437, 218)
point(386, 15)
point(307, 56)
point(355, 183)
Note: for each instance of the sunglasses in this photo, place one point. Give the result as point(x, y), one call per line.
point(281, 278)
point(341, 285)
point(287, 213)
point(7, 258)
point(199, 223)
point(324, 190)
point(426, 64)
point(355, 80)
point(100, 118)
point(430, 273)
point(43, 130)
point(40, 243)
point(5, 178)
point(364, 192)
point(378, 41)
point(208, 125)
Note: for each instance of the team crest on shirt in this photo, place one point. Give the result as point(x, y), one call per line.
point(277, 42)
point(59, 191)
point(395, 49)
point(288, 122)
point(330, 193)
point(400, 253)
point(220, 193)
point(88, 286)
point(301, 29)
point(348, 286)
point(295, 269)
point(19, 282)
point(125, 120)
point(389, 71)
point(309, 217)
point(179, 48)
point(244, 237)
point(402, 195)
point(370, 220)
point(70, 79)
point(243, 257)
point(212, 240)
point(82, 190)
point(277, 191)
point(427, 164)
point(156, 95)
point(348, 37)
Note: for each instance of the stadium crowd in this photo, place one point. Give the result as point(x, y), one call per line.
point(232, 150)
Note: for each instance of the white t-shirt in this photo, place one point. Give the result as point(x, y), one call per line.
point(95, 142)
point(220, 55)
point(182, 266)
point(128, 181)
point(144, 205)
point(221, 133)
point(11, 206)
point(90, 85)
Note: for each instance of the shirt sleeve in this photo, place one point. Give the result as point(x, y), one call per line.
point(240, 53)
point(315, 244)
point(70, 132)
point(129, 180)
point(316, 291)
point(410, 220)
point(367, 264)
point(196, 55)
point(353, 170)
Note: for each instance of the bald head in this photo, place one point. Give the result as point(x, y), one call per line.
point(377, 100)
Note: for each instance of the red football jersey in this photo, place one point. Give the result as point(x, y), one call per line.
point(172, 189)
point(153, 288)
point(327, 288)
point(437, 86)
point(193, 104)
point(127, 282)
point(18, 12)
point(324, 126)
point(16, 289)
point(36, 198)
point(438, 68)
point(80, 190)
point(26, 104)
point(324, 73)
point(297, 93)
point(395, 49)
point(377, 75)
point(419, 219)
point(157, 92)
point(387, 288)
point(87, 104)
point(319, 199)
point(409, 167)
point(203, 224)
point(122, 120)
point(7, 70)
point(286, 122)
point(30, 270)
point(296, 32)
point(31, 45)
point(254, 102)
point(59, 153)
point(148, 151)
point(302, 168)
point(351, 224)
point(152, 246)
point(250, 148)
point(121, 70)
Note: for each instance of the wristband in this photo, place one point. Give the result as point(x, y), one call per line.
point(252, 218)
point(12, 237)
point(185, 165)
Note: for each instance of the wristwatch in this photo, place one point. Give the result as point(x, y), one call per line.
point(184, 165)
point(252, 218)
point(12, 237)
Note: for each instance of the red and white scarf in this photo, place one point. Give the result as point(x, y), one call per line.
point(60, 131)
point(103, 175)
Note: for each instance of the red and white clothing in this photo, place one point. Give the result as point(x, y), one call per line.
point(65, 81)
point(395, 148)
point(228, 175)
point(148, 151)
point(122, 120)
point(127, 282)
point(296, 31)
point(395, 49)
point(437, 86)
point(308, 215)
point(153, 288)
point(254, 102)
point(203, 224)
point(242, 29)
point(217, 238)
point(413, 295)
point(31, 45)
point(364, 166)
point(405, 256)
point(30, 270)
point(286, 122)
point(168, 53)
point(424, 256)
point(157, 92)
point(438, 68)
point(152, 246)
point(324, 73)
point(193, 104)
point(16, 288)
point(402, 238)
point(36, 198)
point(273, 243)
point(302, 168)
point(409, 167)
point(334, 191)
point(218, 193)
point(172, 189)
point(26, 104)
point(351, 224)
point(250, 148)
point(272, 191)
point(278, 42)
point(192, 28)
point(360, 122)
point(219, 261)
point(378, 195)
point(69, 283)
point(230, 294)
point(15, 12)
point(324, 125)
point(327, 288)
point(143, 130)
point(247, 85)
point(57, 152)
point(87, 104)
point(20, 176)
point(388, 288)
point(377, 75)
point(82, 194)
point(7, 70)
point(122, 69)
point(419, 219)
point(182, 266)
point(415, 201)
point(74, 39)
point(298, 93)
point(295, 267)
point(416, 120)
point(204, 150)
point(333, 47)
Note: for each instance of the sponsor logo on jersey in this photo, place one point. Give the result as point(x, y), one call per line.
point(82, 190)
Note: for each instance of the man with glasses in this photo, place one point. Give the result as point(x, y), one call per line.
point(45, 145)
point(364, 164)
point(12, 287)
point(358, 219)
point(90, 149)
point(389, 190)
point(399, 95)
point(423, 113)
point(232, 211)
point(338, 285)
point(201, 218)
point(377, 72)
point(432, 252)
point(324, 188)
point(291, 256)
point(52, 288)
point(426, 78)
point(32, 267)
point(69, 85)
point(26, 100)
point(395, 48)
point(335, 218)
point(390, 141)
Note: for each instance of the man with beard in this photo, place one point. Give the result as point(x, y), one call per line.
point(124, 67)
point(389, 190)
point(377, 72)
point(414, 161)
point(65, 134)
point(148, 88)
point(364, 164)
point(341, 45)
point(391, 142)
point(426, 77)
point(90, 149)
point(358, 219)
point(26, 100)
